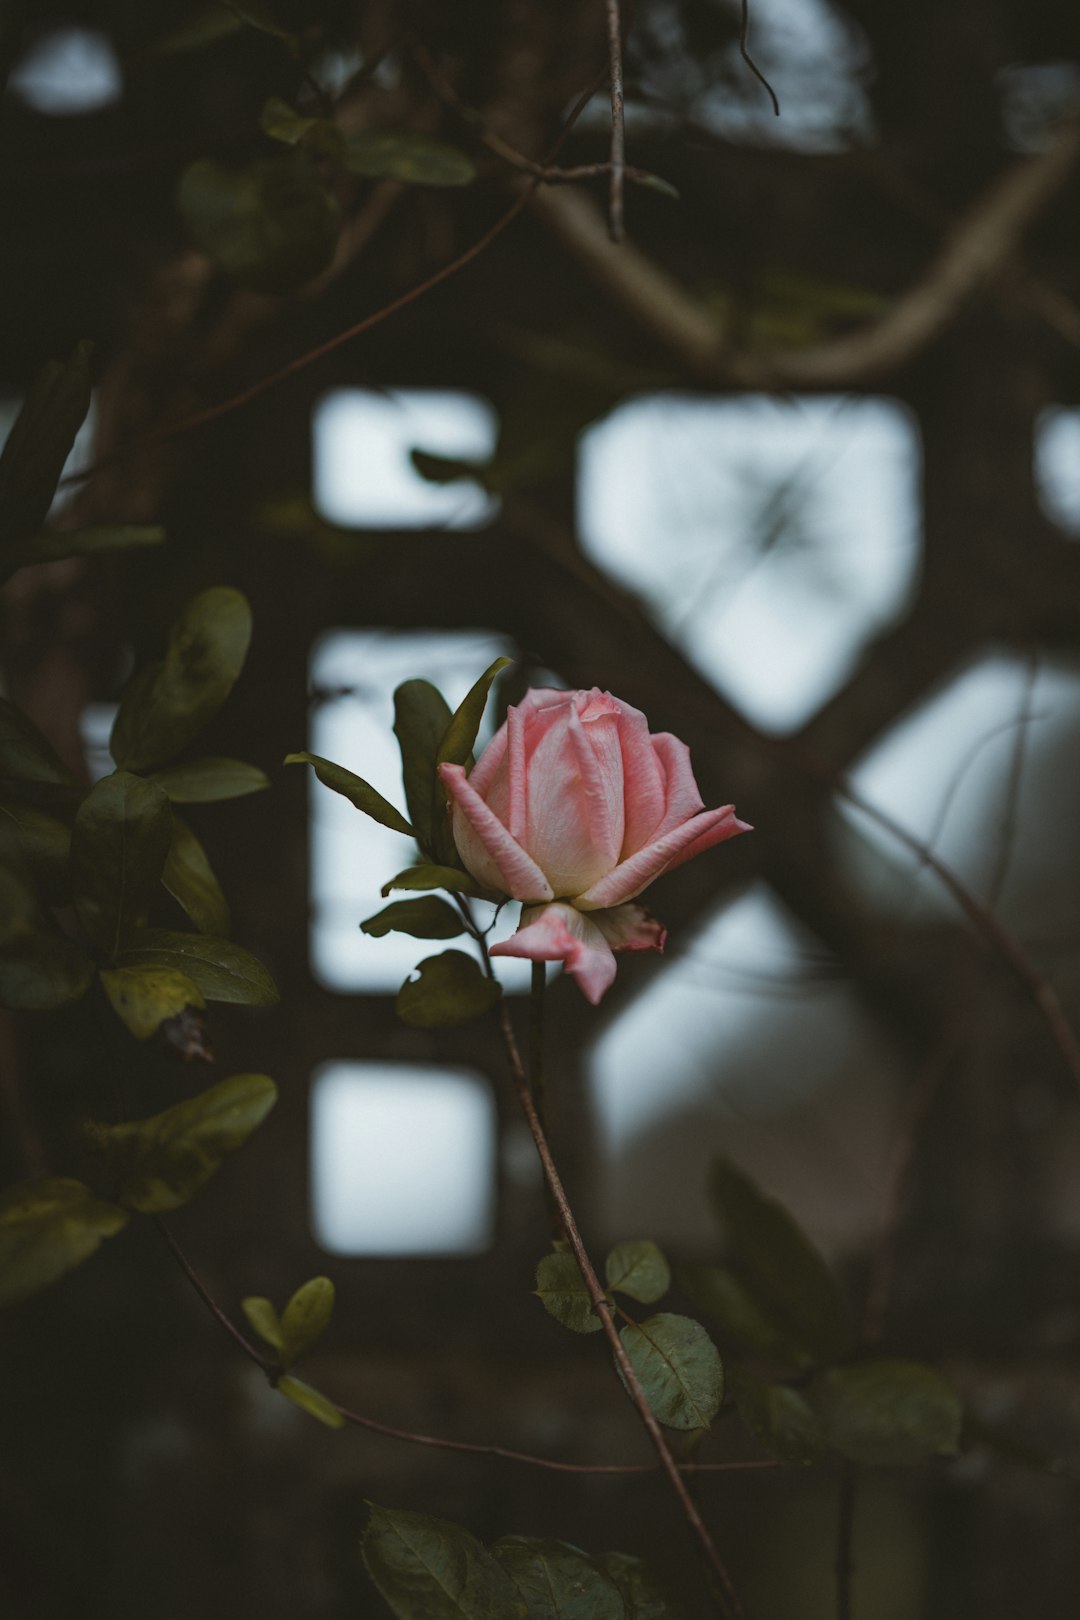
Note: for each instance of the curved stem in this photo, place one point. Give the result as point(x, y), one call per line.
point(726, 1595)
point(477, 1448)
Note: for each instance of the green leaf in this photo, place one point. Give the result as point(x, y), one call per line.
point(450, 990)
point(679, 1369)
point(25, 756)
point(271, 226)
point(144, 997)
point(263, 1319)
point(400, 155)
point(557, 1581)
point(781, 1418)
point(283, 123)
point(222, 970)
point(190, 880)
point(639, 1270)
point(355, 789)
point(162, 1162)
point(306, 1318)
point(887, 1411)
point(38, 445)
point(205, 28)
point(57, 545)
point(45, 844)
point(428, 918)
point(46, 1228)
point(168, 704)
point(428, 1569)
point(209, 780)
point(421, 716)
point(779, 1265)
point(118, 849)
point(267, 17)
point(743, 1327)
point(561, 1290)
point(642, 1598)
point(656, 182)
point(310, 1401)
point(460, 735)
point(450, 878)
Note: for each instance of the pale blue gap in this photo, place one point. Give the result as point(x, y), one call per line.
point(773, 1061)
point(363, 473)
point(772, 541)
point(67, 71)
point(403, 1160)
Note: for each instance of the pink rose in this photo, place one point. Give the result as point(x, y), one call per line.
point(573, 808)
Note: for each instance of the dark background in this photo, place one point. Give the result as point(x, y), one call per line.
point(145, 1469)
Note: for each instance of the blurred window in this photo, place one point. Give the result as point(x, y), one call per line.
point(67, 71)
point(403, 1160)
point(772, 540)
point(364, 472)
point(1057, 466)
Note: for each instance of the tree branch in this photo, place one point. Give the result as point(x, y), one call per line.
point(979, 246)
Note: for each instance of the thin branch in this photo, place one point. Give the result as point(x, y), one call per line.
point(616, 218)
point(247, 396)
point(845, 1536)
point(982, 243)
point(358, 1420)
point(997, 936)
point(1010, 809)
point(916, 1107)
point(211, 1304)
point(725, 1591)
point(744, 52)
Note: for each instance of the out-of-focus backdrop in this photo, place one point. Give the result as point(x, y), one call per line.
point(796, 470)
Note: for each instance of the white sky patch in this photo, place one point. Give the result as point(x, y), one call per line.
point(363, 474)
point(402, 1160)
point(68, 71)
point(351, 855)
point(771, 540)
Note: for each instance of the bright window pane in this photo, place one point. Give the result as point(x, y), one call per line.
point(68, 71)
point(402, 1160)
point(1057, 466)
point(363, 473)
point(772, 540)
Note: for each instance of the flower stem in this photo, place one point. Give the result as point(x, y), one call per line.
point(726, 1596)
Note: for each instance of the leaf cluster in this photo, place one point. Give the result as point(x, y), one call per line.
point(431, 1569)
point(114, 852)
point(448, 989)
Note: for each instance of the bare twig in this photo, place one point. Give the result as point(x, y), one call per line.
point(264, 385)
point(1011, 806)
point(916, 1107)
point(997, 936)
point(616, 219)
point(744, 52)
point(845, 1533)
point(726, 1593)
point(439, 1442)
point(983, 241)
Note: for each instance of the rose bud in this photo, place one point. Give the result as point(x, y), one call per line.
point(574, 808)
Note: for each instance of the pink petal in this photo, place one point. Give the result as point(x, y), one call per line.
point(630, 928)
point(558, 933)
point(568, 828)
point(681, 796)
point(643, 781)
point(489, 852)
point(635, 874)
